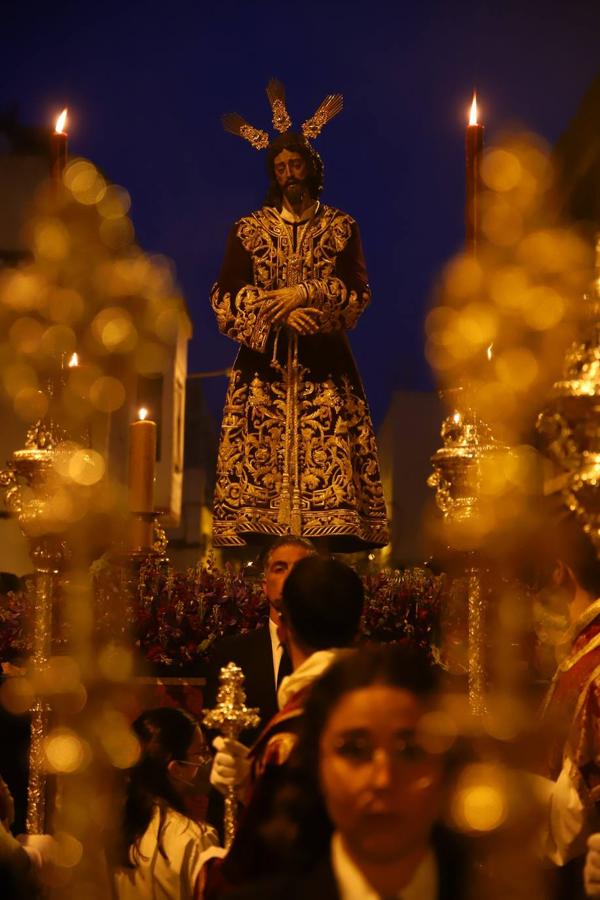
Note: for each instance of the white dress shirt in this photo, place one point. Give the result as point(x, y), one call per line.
point(311, 669)
point(352, 884)
point(276, 649)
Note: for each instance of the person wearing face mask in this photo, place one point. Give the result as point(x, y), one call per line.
point(160, 850)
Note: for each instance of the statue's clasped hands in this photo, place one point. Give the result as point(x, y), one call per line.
point(283, 305)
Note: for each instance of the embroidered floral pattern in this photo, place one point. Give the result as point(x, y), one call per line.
point(297, 451)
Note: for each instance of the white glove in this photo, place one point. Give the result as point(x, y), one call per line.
point(591, 872)
point(231, 766)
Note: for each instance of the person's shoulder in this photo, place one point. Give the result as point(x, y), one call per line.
point(278, 738)
point(333, 214)
point(256, 227)
point(278, 748)
point(265, 215)
point(247, 218)
point(238, 647)
point(316, 881)
point(242, 639)
point(178, 823)
point(589, 686)
point(582, 671)
point(178, 826)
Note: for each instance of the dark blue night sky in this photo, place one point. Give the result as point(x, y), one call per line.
point(146, 84)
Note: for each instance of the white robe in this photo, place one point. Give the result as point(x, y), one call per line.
point(171, 876)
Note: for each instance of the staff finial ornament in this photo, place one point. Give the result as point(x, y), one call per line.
point(230, 716)
point(276, 95)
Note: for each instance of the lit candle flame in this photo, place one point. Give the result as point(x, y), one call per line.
point(142, 414)
point(473, 112)
point(456, 418)
point(490, 350)
point(74, 361)
point(59, 128)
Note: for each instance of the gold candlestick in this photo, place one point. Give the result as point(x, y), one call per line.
point(456, 473)
point(231, 716)
point(473, 151)
point(457, 478)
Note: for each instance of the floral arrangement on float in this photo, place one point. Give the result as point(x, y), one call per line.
point(174, 617)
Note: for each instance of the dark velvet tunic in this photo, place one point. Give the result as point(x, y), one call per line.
point(297, 452)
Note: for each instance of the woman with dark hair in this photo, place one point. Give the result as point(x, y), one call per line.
point(358, 817)
point(160, 848)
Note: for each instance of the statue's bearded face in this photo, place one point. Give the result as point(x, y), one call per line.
point(290, 173)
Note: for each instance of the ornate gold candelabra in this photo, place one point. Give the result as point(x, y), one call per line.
point(456, 475)
point(146, 535)
point(231, 716)
point(29, 484)
point(456, 479)
point(571, 422)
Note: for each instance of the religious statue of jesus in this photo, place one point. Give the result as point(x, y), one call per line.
point(297, 453)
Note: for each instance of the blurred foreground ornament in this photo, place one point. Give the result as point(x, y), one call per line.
point(571, 422)
point(28, 484)
point(456, 478)
point(468, 445)
point(231, 716)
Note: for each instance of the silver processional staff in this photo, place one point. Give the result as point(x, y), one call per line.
point(229, 717)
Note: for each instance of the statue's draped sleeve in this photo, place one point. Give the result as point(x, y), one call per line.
point(236, 301)
point(342, 294)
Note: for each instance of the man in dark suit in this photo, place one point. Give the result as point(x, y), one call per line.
point(321, 607)
point(259, 653)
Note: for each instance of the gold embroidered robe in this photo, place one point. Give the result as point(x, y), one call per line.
point(297, 451)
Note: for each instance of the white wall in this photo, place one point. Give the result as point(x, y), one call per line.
point(408, 437)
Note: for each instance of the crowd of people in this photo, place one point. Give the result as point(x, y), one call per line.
point(349, 789)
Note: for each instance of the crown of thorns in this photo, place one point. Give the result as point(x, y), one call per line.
point(311, 128)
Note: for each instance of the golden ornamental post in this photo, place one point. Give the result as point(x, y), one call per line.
point(231, 716)
point(467, 442)
point(570, 423)
point(28, 484)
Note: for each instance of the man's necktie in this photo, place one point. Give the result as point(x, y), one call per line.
point(285, 667)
